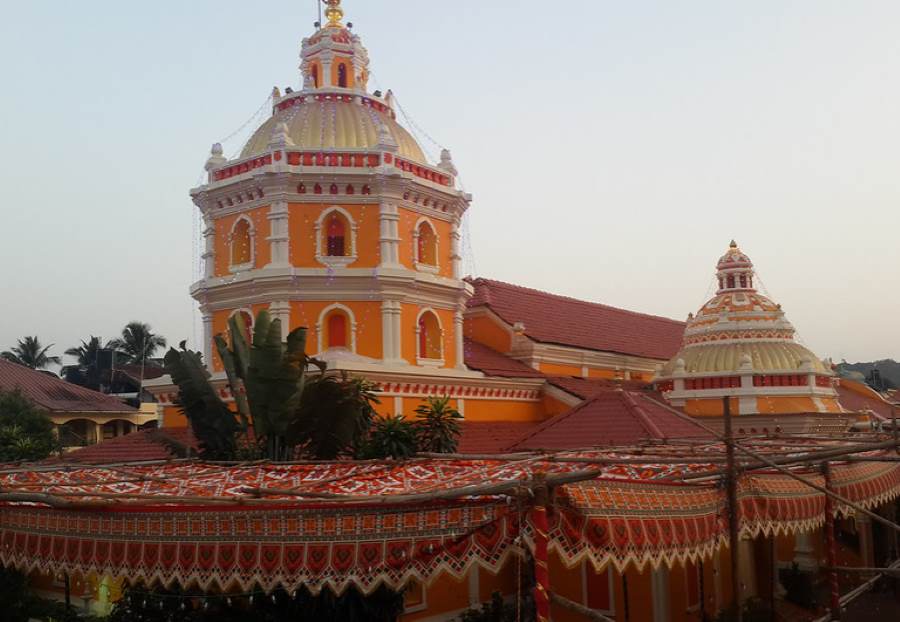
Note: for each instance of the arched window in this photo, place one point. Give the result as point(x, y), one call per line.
point(426, 244)
point(429, 336)
point(335, 237)
point(342, 75)
point(241, 243)
point(730, 281)
point(336, 329)
point(335, 233)
point(315, 75)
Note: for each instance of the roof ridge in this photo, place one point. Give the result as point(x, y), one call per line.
point(641, 415)
point(489, 282)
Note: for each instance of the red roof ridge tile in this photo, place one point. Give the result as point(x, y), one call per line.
point(641, 415)
point(495, 283)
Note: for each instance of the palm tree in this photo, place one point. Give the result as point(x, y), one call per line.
point(138, 342)
point(30, 353)
point(438, 425)
point(86, 372)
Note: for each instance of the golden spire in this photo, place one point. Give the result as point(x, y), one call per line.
point(334, 13)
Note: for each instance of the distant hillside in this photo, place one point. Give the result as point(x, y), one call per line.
point(889, 370)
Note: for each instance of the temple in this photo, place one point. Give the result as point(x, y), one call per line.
point(591, 448)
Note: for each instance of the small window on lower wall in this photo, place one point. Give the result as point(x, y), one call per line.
point(414, 597)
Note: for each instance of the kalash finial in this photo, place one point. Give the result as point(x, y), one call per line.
point(334, 13)
point(733, 244)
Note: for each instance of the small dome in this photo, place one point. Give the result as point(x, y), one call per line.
point(332, 124)
point(733, 258)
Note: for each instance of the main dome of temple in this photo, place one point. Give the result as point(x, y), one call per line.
point(334, 110)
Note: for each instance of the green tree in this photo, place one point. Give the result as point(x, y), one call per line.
point(86, 371)
point(138, 342)
point(30, 353)
point(26, 433)
point(438, 426)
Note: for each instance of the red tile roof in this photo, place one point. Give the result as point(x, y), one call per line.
point(588, 387)
point(490, 437)
point(549, 318)
point(610, 417)
point(55, 394)
point(153, 444)
point(485, 359)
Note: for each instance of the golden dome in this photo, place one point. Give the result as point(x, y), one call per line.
point(331, 124)
point(765, 357)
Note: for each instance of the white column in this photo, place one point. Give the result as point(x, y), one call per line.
point(458, 338)
point(455, 254)
point(804, 553)
point(390, 331)
point(279, 236)
point(659, 584)
point(207, 348)
point(281, 310)
point(390, 252)
point(209, 248)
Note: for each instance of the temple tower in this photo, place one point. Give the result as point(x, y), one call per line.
point(333, 219)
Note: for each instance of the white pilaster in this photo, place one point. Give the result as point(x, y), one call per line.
point(455, 254)
point(458, 338)
point(281, 310)
point(209, 247)
point(207, 347)
point(389, 238)
point(279, 238)
point(390, 331)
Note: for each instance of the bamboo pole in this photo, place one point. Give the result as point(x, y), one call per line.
point(733, 511)
point(541, 528)
point(831, 549)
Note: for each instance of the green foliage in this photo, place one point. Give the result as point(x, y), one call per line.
point(138, 342)
point(383, 605)
point(214, 425)
point(26, 433)
point(391, 437)
point(334, 417)
point(30, 353)
point(86, 372)
point(437, 428)
point(321, 415)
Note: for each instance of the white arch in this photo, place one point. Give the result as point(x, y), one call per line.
point(421, 360)
point(249, 312)
point(425, 267)
point(252, 231)
point(320, 325)
point(322, 255)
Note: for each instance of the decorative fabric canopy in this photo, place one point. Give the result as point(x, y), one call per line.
point(268, 526)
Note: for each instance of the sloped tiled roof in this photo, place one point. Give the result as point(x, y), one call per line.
point(55, 394)
point(610, 417)
point(488, 437)
point(485, 359)
point(549, 318)
point(153, 444)
point(588, 387)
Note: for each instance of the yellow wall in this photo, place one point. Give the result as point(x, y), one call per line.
point(408, 321)
point(504, 410)
point(407, 227)
point(487, 331)
point(222, 245)
point(554, 369)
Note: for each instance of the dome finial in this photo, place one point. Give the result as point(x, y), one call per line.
point(334, 13)
point(733, 244)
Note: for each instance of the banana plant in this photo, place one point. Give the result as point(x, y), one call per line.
point(268, 377)
point(213, 423)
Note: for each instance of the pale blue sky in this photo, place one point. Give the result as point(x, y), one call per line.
point(613, 148)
